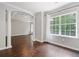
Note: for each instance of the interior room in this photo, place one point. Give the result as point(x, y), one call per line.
point(39, 29)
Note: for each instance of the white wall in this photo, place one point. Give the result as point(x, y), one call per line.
point(2, 26)
point(72, 43)
point(20, 23)
point(3, 20)
point(38, 26)
point(19, 28)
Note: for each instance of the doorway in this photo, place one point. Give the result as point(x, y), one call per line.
point(21, 29)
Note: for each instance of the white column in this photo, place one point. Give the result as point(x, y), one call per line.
point(8, 16)
point(42, 18)
point(33, 28)
point(48, 18)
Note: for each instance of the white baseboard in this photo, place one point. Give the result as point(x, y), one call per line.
point(64, 45)
point(38, 40)
point(5, 48)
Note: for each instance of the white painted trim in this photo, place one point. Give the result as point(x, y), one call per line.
point(42, 15)
point(63, 45)
point(6, 48)
point(20, 34)
point(64, 14)
point(17, 8)
point(64, 7)
point(8, 27)
point(47, 25)
point(76, 24)
point(34, 40)
point(34, 28)
point(63, 36)
point(38, 40)
point(60, 26)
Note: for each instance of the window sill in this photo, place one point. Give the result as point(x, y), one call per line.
point(64, 36)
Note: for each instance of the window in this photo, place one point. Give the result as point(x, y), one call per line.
point(64, 25)
point(55, 26)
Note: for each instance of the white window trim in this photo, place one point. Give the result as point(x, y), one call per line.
point(60, 26)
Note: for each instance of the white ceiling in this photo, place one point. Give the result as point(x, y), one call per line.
point(38, 6)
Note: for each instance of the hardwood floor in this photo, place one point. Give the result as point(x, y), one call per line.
point(48, 50)
point(22, 48)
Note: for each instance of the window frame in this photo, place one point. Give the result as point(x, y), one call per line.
point(55, 24)
point(60, 25)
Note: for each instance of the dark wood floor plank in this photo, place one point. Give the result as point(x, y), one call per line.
point(48, 50)
point(22, 48)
